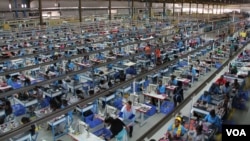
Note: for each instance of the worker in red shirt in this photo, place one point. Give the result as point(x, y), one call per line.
point(221, 81)
point(148, 51)
point(158, 52)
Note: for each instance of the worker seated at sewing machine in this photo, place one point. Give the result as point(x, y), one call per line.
point(103, 85)
point(85, 60)
point(80, 94)
point(5, 106)
point(173, 81)
point(69, 66)
point(99, 56)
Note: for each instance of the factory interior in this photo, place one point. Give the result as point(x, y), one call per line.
point(117, 70)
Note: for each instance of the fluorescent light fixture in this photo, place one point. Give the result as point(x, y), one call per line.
point(25, 6)
point(22, 5)
point(9, 5)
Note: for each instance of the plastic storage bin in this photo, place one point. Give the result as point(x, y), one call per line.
point(18, 109)
point(152, 111)
point(167, 107)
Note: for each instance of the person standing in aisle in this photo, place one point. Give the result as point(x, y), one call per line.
point(148, 51)
point(128, 113)
point(176, 131)
point(117, 128)
point(157, 52)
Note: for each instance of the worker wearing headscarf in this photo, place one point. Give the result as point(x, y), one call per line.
point(176, 130)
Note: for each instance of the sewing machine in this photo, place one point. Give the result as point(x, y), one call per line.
point(134, 98)
point(110, 111)
point(151, 88)
point(85, 108)
point(81, 132)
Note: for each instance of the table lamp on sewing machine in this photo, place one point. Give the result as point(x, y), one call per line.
point(151, 88)
point(134, 98)
point(110, 111)
point(81, 127)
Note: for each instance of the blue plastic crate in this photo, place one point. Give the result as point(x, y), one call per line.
point(167, 107)
point(16, 85)
point(94, 122)
point(152, 111)
point(118, 103)
point(18, 109)
point(44, 103)
point(106, 133)
point(217, 65)
point(244, 95)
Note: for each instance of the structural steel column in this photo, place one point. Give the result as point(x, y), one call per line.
point(208, 12)
point(164, 9)
point(40, 11)
point(217, 7)
point(80, 10)
point(15, 3)
point(197, 6)
point(110, 16)
point(24, 2)
point(132, 10)
point(150, 9)
point(190, 5)
point(213, 9)
point(28, 3)
point(203, 7)
point(220, 8)
point(173, 8)
point(182, 7)
point(129, 9)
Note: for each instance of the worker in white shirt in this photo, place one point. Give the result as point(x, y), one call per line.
point(128, 113)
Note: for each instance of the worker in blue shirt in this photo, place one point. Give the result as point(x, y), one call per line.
point(99, 56)
point(36, 61)
point(109, 66)
point(206, 98)
point(50, 47)
point(9, 80)
point(213, 119)
point(161, 89)
point(176, 131)
point(67, 54)
point(146, 83)
point(70, 66)
point(85, 60)
point(193, 73)
point(173, 81)
point(76, 78)
point(121, 51)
